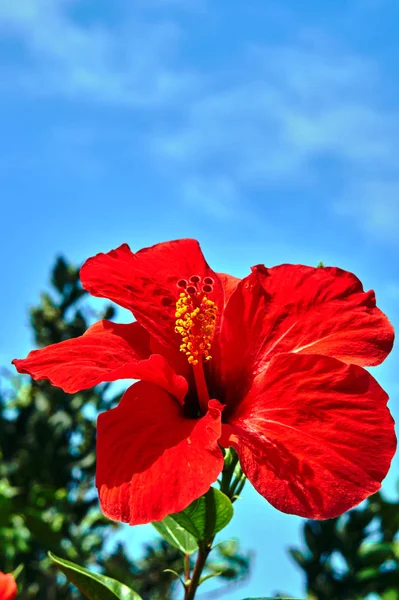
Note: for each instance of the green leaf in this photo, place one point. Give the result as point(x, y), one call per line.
point(206, 516)
point(312, 537)
point(297, 556)
point(17, 572)
point(209, 576)
point(93, 585)
point(176, 535)
point(373, 555)
point(390, 595)
point(367, 574)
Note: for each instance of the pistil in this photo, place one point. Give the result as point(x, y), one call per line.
point(202, 388)
point(195, 322)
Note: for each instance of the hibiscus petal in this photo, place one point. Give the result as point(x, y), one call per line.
point(106, 352)
point(151, 460)
point(314, 435)
point(145, 282)
point(229, 283)
point(8, 587)
point(294, 308)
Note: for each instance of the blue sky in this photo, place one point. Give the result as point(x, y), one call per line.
point(267, 130)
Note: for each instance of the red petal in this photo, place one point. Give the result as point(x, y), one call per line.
point(314, 435)
point(145, 282)
point(229, 283)
point(8, 587)
point(106, 352)
point(151, 461)
point(293, 308)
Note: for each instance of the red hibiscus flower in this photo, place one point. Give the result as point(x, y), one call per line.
point(8, 587)
point(270, 364)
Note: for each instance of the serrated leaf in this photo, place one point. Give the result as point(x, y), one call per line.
point(93, 585)
point(176, 535)
point(206, 516)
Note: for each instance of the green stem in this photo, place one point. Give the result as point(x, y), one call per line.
point(230, 485)
point(237, 487)
point(186, 567)
point(202, 556)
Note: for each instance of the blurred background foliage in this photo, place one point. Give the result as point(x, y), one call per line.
point(48, 500)
point(353, 557)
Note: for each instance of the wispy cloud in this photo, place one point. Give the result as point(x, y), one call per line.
point(291, 107)
point(131, 65)
point(217, 196)
point(291, 115)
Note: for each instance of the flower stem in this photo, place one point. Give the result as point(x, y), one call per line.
point(202, 556)
point(187, 567)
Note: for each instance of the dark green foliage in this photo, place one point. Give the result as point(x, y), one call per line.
point(147, 576)
point(231, 565)
point(354, 555)
point(47, 462)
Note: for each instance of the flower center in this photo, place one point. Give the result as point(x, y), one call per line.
point(195, 318)
point(195, 322)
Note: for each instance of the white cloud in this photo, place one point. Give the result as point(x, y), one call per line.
point(132, 65)
point(284, 114)
point(292, 106)
point(275, 116)
point(217, 196)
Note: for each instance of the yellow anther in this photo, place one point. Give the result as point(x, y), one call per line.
point(195, 322)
